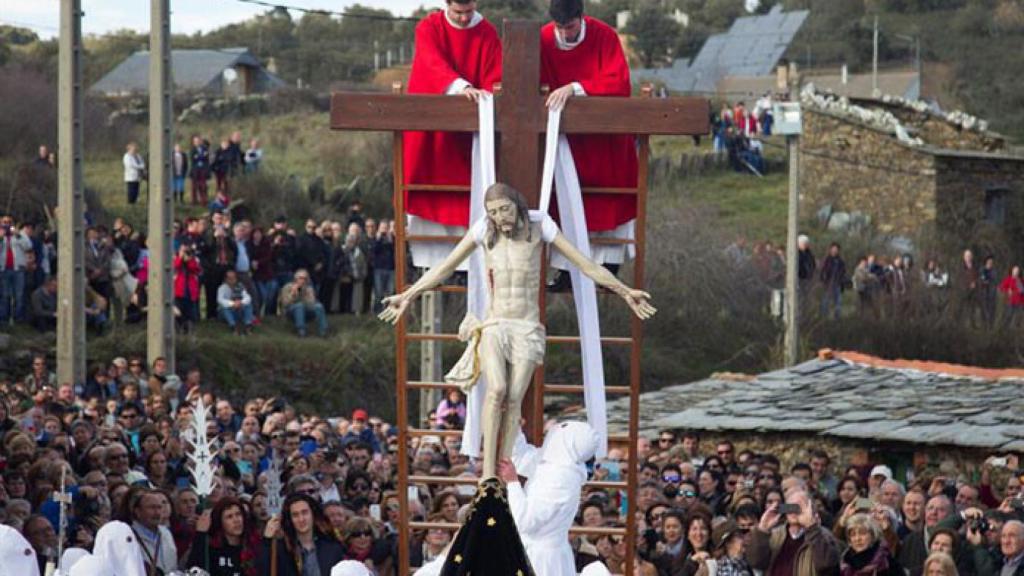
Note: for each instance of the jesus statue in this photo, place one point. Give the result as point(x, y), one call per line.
point(509, 344)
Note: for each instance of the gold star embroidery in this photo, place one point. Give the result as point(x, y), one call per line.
point(458, 558)
point(491, 522)
point(519, 573)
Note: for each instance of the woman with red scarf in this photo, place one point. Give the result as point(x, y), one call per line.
point(226, 543)
point(1013, 287)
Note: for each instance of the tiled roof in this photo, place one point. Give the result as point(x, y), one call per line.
point(192, 70)
point(845, 397)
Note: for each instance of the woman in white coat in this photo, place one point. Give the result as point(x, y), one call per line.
point(545, 509)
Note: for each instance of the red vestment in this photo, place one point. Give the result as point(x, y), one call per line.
point(445, 54)
point(599, 65)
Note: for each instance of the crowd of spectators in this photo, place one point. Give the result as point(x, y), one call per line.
point(702, 508)
point(737, 131)
point(237, 272)
point(197, 164)
point(976, 292)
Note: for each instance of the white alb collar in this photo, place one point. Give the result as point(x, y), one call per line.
point(563, 45)
point(477, 18)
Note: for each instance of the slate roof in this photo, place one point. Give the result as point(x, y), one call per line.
point(192, 70)
point(845, 399)
point(751, 47)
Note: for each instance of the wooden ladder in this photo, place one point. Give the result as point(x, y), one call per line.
point(533, 404)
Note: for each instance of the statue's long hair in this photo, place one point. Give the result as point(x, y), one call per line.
point(500, 191)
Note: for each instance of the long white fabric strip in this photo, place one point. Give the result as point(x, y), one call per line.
point(484, 171)
point(558, 163)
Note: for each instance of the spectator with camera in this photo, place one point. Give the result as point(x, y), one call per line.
point(299, 301)
point(186, 287)
point(789, 540)
point(15, 246)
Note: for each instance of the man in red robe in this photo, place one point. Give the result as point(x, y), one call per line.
point(457, 52)
point(582, 56)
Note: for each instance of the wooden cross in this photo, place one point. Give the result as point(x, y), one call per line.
point(520, 112)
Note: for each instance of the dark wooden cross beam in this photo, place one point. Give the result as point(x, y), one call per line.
point(520, 113)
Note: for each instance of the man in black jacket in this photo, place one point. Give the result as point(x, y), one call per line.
point(310, 254)
point(833, 279)
point(219, 255)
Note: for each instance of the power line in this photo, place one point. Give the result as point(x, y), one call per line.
point(331, 12)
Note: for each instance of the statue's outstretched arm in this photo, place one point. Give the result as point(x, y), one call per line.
point(395, 306)
point(638, 300)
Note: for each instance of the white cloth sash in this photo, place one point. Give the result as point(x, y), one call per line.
point(560, 170)
point(484, 175)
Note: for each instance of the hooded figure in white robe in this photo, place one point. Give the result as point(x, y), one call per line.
point(595, 569)
point(545, 510)
point(89, 566)
point(350, 568)
point(118, 550)
point(71, 557)
point(17, 558)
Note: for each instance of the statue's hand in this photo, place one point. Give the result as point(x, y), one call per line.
point(639, 301)
point(394, 308)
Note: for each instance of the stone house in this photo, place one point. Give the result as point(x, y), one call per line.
point(909, 169)
point(861, 410)
point(228, 72)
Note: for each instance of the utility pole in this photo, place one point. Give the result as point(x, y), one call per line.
point(160, 315)
point(790, 125)
point(432, 309)
point(71, 201)
point(874, 62)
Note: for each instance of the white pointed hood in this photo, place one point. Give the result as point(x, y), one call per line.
point(119, 550)
point(570, 444)
point(16, 554)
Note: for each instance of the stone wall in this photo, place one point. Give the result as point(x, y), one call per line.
point(961, 186)
point(938, 132)
point(793, 448)
point(857, 168)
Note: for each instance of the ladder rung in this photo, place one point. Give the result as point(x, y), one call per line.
point(467, 481)
point(456, 239)
point(449, 480)
point(424, 385)
point(596, 531)
point(423, 336)
point(452, 526)
point(462, 188)
point(612, 241)
point(578, 389)
point(436, 188)
point(552, 388)
point(429, 238)
point(444, 288)
point(574, 531)
point(619, 341)
point(421, 432)
point(607, 485)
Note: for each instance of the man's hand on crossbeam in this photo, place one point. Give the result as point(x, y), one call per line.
point(560, 97)
point(474, 94)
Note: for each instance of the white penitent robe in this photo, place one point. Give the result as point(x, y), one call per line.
point(545, 509)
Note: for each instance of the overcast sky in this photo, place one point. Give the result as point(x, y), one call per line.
point(187, 16)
